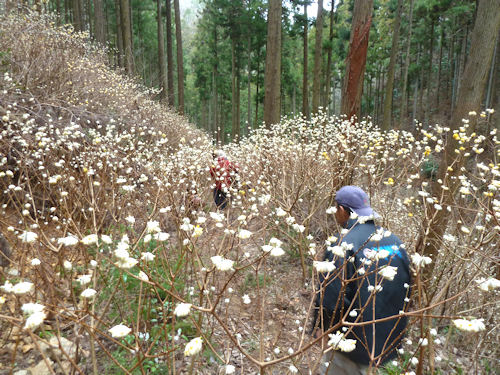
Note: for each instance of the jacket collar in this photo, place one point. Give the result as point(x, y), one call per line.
point(352, 222)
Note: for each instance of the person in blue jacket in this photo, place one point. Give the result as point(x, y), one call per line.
point(370, 282)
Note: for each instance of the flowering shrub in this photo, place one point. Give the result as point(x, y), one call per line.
point(112, 252)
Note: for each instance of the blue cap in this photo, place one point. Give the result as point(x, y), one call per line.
point(356, 199)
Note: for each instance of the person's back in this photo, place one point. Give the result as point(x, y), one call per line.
point(224, 174)
point(370, 281)
point(364, 292)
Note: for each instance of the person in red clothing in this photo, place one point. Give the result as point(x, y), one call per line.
point(224, 174)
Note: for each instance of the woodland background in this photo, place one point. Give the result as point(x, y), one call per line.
point(209, 59)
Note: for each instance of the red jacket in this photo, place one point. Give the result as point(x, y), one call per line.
point(223, 172)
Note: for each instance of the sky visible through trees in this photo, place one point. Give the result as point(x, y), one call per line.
point(222, 58)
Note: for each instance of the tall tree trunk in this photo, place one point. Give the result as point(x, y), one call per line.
point(333, 96)
point(272, 73)
point(326, 104)
point(352, 88)
point(257, 92)
point(235, 125)
point(99, 21)
point(126, 36)
point(370, 94)
point(462, 58)
point(495, 99)
point(382, 90)
point(119, 34)
point(452, 69)
point(180, 62)
point(161, 53)
point(204, 111)
point(317, 59)
point(377, 92)
point(469, 98)
point(404, 91)
point(58, 10)
point(238, 103)
point(421, 92)
point(215, 102)
point(107, 35)
point(438, 89)
point(215, 88)
point(414, 110)
point(170, 58)
point(492, 77)
point(305, 91)
point(389, 88)
point(88, 18)
point(429, 75)
point(249, 87)
point(67, 11)
point(77, 15)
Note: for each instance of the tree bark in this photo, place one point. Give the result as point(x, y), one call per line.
point(88, 18)
point(328, 78)
point(126, 36)
point(333, 96)
point(389, 88)
point(119, 34)
point(99, 22)
point(421, 92)
point(495, 100)
point(352, 88)
point(238, 103)
point(305, 91)
point(161, 53)
point(170, 58)
point(67, 11)
point(257, 91)
point(492, 77)
point(214, 83)
point(438, 89)
point(58, 10)
point(317, 59)
point(77, 15)
point(180, 62)
point(249, 87)
point(235, 125)
point(429, 75)
point(272, 76)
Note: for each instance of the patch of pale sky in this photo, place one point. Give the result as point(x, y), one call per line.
point(312, 10)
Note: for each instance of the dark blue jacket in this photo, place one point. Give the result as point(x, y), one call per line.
point(388, 302)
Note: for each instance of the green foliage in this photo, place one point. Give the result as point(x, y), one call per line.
point(430, 167)
point(250, 281)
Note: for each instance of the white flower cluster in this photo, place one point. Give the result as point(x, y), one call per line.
point(182, 309)
point(488, 284)
point(35, 315)
point(193, 347)
point(119, 331)
point(420, 261)
point(274, 247)
point(474, 325)
point(221, 263)
point(324, 266)
point(124, 260)
point(388, 272)
point(20, 288)
point(339, 342)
